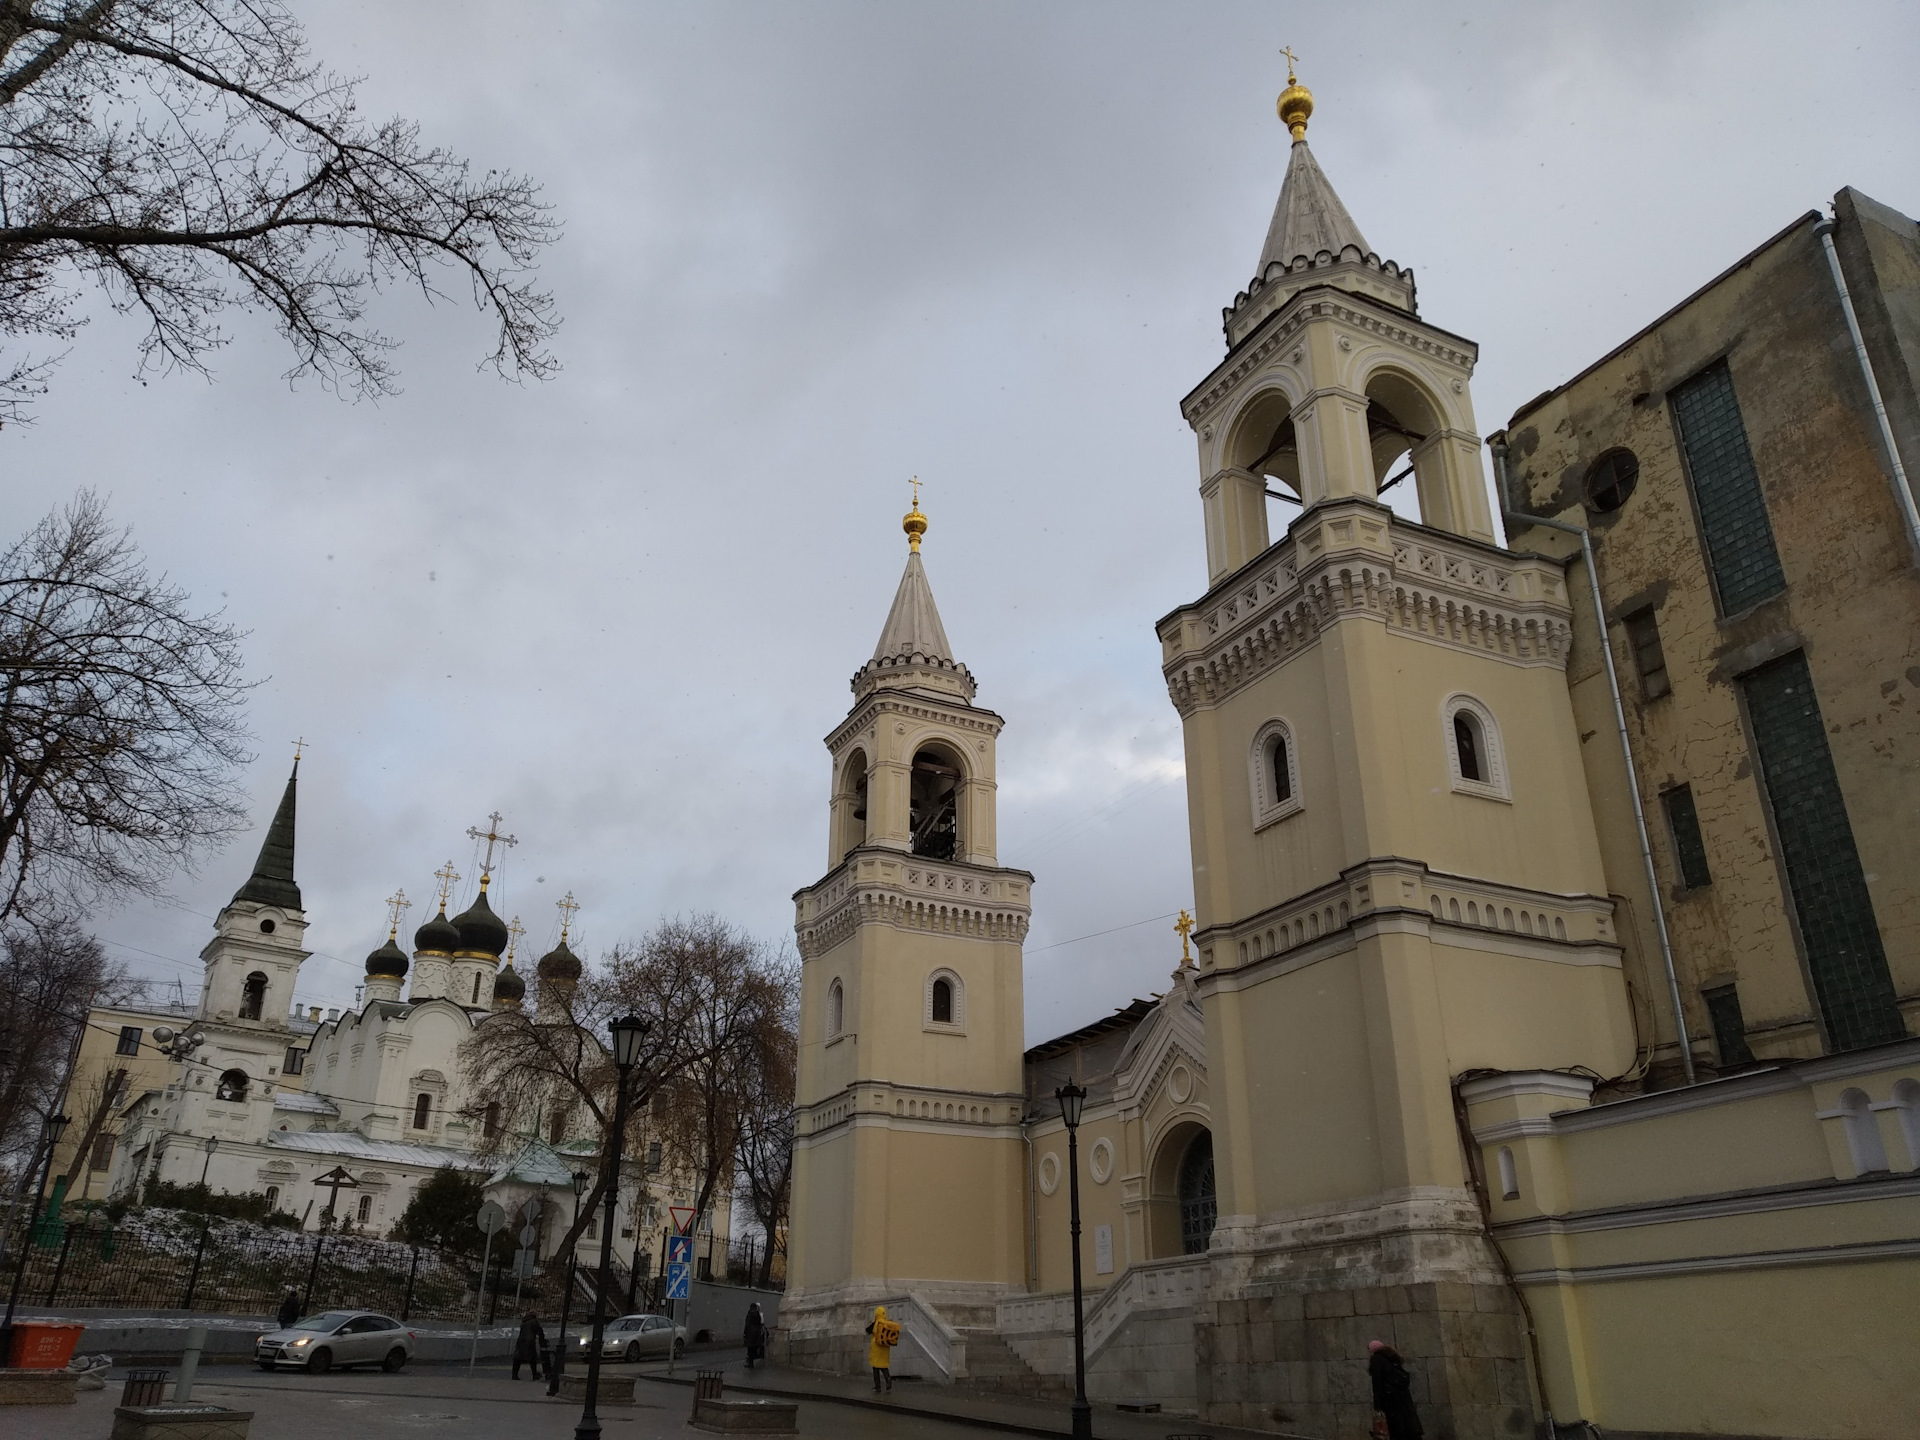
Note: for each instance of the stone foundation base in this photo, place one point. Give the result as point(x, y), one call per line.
point(179, 1422)
point(614, 1389)
point(36, 1387)
point(746, 1417)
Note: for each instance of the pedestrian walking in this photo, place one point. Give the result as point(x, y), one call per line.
point(755, 1334)
point(886, 1335)
point(1394, 1417)
point(527, 1346)
point(289, 1308)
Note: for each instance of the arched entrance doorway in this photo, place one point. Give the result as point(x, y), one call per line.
point(1198, 1205)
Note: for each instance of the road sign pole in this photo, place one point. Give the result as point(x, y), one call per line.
point(479, 1304)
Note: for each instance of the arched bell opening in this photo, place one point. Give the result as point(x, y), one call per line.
point(1266, 445)
point(1182, 1203)
point(850, 805)
point(1403, 424)
point(934, 802)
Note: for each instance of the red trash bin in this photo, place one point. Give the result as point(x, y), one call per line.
point(43, 1344)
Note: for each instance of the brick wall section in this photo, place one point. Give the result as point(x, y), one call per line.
point(1298, 1362)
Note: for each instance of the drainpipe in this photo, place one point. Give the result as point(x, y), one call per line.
point(1902, 487)
point(1033, 1211)
point(1497, 442)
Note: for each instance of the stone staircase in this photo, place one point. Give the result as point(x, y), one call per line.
point(994, 1367)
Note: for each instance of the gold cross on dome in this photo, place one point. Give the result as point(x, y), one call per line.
point(397, 905)
point(568, 908)
point(1292, 59)
point(915, 482)
point(448, 878)
point(1184, 926)
point(493, 837)
point(514, 931)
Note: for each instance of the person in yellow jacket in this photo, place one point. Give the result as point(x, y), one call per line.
point(885, 1335)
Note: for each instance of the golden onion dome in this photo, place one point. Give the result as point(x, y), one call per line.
point(913, 522)
point(1296, 104)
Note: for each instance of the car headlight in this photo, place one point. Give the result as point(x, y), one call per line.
point(303, 1340)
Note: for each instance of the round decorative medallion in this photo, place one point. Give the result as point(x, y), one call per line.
point(1049, 1173)
point(1100, 1161)
point(1180, 1084)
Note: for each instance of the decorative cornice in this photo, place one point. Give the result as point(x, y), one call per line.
point(926, 708)
point(883, 887)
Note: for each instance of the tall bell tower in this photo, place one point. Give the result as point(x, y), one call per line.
point(1396, 868)
point(909, 1161)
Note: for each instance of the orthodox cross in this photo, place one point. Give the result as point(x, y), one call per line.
point(1184, 926)
point(336, 1180)
point(514, 932)
point(915, 482)
point(1287, 50)
point(448, 878)
point(397, 905)
point(567, 908)
point(298, 746)
point(493, 837)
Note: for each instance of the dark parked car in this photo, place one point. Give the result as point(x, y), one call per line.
point(336, 1338)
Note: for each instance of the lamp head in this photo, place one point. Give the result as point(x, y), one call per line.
point(212, 1144)
point(1071, 1098)
point(581, 1179)
point(56, 1127)
point(629, 1033)
point(163, 1034)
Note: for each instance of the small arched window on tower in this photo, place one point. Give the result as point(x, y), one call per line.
point(254, 996)
point(946, 1002)
point(1474, 754)
point(476, 987)
point(836, 1009)
point(934, 811)
point(1274, 772)
point(422, 1110)
point(232, 1085)
point(854, 788)
point(943, 1001)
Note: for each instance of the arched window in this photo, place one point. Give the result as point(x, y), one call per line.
point(476, 987)
point(232, 1086)
point(1906, 1095)
point(836, 1009)
point(945, 1002)
point(1274, 773)
point(253, 996)
point(422, 1110)
point(1199, 1207)
point(853, 783)
point(1509, 1173)
point(366, 1209)
point(490, 1126)
point(1475, 758)
point(273, 1197)
point(934, 808)
point(1863, 1133)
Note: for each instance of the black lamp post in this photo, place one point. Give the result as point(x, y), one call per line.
point(581, 1179)
point(1071, 1098)
point(212, 1144)
point(629, 1034)
point(56, 1127)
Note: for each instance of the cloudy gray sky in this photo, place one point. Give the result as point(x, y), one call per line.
point(813, 249)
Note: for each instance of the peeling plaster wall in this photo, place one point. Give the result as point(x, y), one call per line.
point(1852, 602)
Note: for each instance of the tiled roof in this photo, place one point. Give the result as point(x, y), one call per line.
point(352, 1145)
point(301, 1103)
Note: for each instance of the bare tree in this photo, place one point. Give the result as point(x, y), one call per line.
point(765, 1166)
point(189, 156)
point(89, 1109)
point(120, 730)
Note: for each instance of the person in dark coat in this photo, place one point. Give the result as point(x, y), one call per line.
point(289, 1308)
point(756, 1334)
point(1392, 1391)
point(528, 1345)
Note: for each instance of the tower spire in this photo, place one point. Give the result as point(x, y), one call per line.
point(272, 880)
point(1309, 217)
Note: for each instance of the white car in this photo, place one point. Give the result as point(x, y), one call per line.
point(339, 1338)
point(637, 1337)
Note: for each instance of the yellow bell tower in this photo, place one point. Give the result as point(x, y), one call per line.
point(909, 1161)
point(1396, 870)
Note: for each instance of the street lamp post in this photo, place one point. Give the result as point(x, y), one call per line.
point(629, 1033)
point(1071, 1098)
point(581, 1179)
point(56, 1127)
point(211, 1144)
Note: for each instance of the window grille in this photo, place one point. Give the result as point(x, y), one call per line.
point(1837, 927)
point(1689, 845)
point(1726, 491)
point(1649, 660)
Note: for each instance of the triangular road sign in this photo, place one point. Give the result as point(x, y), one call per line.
point(682, 1218)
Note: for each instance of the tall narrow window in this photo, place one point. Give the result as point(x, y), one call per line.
point(422, 1110)
point(1689, 846)
point(296, 1061)
point(254, 996)
point(1643, 634)
point(476, 988)
point(1837, 926)
point(653, 1157)
point(855, 780)
point(490, 1125)
point(1729, 1025)
point(1726, 491)
point(273, 1197)
point(1466, 744)
point(836, 1009)
point(1280, 766)
point(102, 1157)
point(935, 805)
point(1274, 769)
point(943, 1002)
point(366, 1208)
point(1863, 1133)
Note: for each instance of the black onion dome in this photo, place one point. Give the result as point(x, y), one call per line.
point(508, 985)
point(389, 959)
point(560, 963)
point(480, 929)
point(437, 935)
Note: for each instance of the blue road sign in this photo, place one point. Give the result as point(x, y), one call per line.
point(679, 1280)
point(679, 1250)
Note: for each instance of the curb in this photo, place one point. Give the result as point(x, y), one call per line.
point(978, 1422)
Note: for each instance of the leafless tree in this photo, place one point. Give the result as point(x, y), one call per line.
point(120, 729)
point(765, 1165)
point(191, 157)
point(89, 1109)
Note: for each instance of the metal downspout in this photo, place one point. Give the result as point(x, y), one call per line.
point(1902, 487)
point(1033, 1213)
point(1497, 442)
